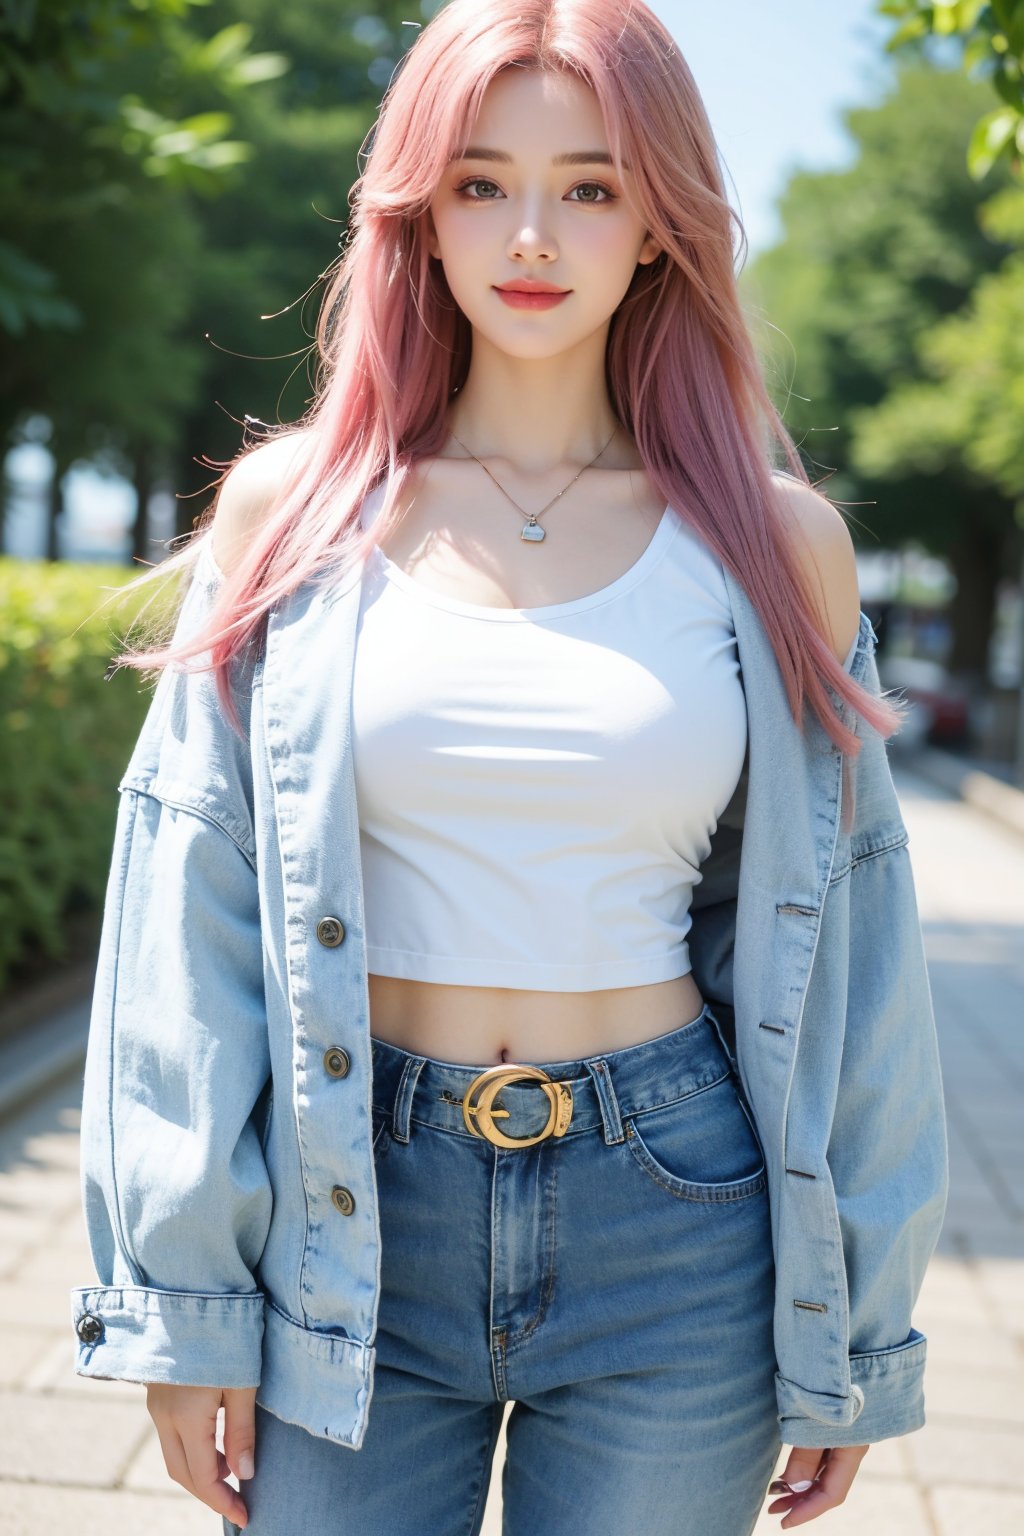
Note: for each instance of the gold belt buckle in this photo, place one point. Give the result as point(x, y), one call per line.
point(489, 1084)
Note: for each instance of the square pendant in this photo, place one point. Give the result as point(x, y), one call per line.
point(532, 532)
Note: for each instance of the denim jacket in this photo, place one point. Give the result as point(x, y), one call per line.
point(227, 1170)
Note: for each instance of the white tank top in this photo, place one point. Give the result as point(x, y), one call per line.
point(538, 787)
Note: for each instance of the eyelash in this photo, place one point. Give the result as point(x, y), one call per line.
point(472, 181)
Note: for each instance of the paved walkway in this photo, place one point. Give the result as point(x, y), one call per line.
point(84, 1456)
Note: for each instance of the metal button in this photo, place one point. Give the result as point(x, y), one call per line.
point(343, 1199)
point(330, 931)
point(89, 1328)
point(336, 1061)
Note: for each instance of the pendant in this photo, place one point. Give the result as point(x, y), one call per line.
point(532, 531)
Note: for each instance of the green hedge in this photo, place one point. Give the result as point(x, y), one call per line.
point(67, 738)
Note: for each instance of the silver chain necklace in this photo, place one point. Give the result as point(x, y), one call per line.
point(532, 532)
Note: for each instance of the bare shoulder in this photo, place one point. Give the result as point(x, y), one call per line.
point(248, 492)
point(826, 553)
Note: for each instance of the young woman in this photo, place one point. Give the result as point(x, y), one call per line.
point(511, 985)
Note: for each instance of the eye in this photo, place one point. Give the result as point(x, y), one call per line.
point(478, 181)
point(475, 181)
point(609, 195)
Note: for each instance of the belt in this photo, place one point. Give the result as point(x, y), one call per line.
point(480, 1117)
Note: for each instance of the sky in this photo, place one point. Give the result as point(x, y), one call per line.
point(774, 76)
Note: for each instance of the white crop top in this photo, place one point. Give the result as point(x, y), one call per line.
point(538, 787)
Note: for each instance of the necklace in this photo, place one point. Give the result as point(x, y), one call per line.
point(532, 532)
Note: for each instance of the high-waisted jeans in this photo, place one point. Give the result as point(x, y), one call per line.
point(616, 1284)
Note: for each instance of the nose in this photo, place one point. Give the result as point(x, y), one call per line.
point(531, 234)
point(531, 241)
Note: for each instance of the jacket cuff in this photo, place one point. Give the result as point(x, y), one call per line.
point(132, 1333)
point(886, 1399)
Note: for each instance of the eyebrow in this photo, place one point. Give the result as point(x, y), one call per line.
point(574, 157)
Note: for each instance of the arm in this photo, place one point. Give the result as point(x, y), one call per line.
point(887, 1152)
point(248, 494)
point(887, 1146)
point(175, 1190)
point(887, 1149)
point(827, 562)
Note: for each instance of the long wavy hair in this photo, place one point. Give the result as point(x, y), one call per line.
point(682, 371)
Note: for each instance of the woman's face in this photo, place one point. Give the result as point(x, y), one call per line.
point(494, 221)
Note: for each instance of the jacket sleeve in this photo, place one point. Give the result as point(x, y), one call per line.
point(887, 1150)
point(175, 1190)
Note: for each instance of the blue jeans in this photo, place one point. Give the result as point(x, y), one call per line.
point(615, 1283)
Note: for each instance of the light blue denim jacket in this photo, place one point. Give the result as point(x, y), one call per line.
point(227, 1172)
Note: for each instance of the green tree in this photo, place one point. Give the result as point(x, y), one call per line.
point(84, 93)
point(873, 258)
point(968, 406)
point(270, 241)
point(99, 187)
point(963, 415)
point(195, 309)
point(992, 33)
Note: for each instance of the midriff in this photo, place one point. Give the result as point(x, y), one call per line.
point(481, 1026)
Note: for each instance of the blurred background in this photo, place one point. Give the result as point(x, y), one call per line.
point(173, 188)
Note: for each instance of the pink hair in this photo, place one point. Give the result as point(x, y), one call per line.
point(683, 375)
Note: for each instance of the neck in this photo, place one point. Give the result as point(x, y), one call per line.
point(535, 419)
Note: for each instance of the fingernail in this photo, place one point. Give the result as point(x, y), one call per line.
point(781, 1486)
point(246, 1467)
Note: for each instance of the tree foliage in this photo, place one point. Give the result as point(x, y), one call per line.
point(969, 403)
point(992, 33)
point(175, 171)
point(877, 259)
point(88, 96)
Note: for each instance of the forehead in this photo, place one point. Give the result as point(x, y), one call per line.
point(537, 107)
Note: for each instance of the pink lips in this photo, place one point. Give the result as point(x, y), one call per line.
point(518, 299)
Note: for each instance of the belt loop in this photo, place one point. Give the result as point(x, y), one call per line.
point(606, 1097)
point(404, 1097)
point(723, 1040)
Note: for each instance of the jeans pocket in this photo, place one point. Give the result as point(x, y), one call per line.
point(702, 1147)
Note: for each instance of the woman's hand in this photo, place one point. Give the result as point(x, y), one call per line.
point(186, 1421)
point(814, 1481)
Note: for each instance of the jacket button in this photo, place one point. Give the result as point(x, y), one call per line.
point(330, 931)
point(343, 1199)
point(336, 1061)
point(89, 1328)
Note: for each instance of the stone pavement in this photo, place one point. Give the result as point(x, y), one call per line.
point(84, 1455)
